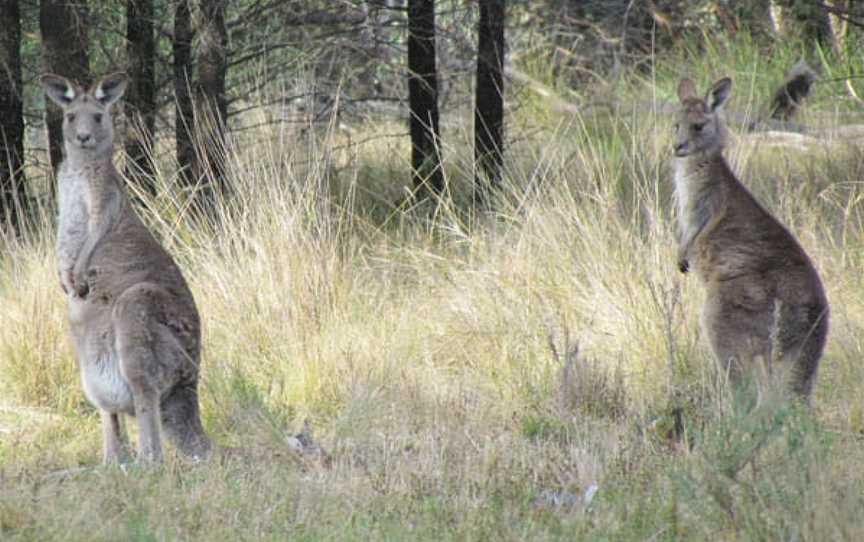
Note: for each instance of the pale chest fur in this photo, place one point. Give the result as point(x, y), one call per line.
point(84, 188)
point(72, 220)
point(74, 195)
point(684, 196)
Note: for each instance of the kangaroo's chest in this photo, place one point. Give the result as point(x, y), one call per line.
point(689, 201)
point(82, 190)
point(682, 191)
point(73, 193)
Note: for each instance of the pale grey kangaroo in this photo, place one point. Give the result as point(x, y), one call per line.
point(763, 293)
point(133, 320)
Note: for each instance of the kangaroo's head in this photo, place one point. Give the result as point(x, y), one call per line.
point(87, 126)
point(698, 127)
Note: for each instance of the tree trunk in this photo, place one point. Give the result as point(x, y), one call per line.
point(423, 98)
point(211, 108)
point(753, 15)
point(184, 121)
point(839, 25)
point(489, 100)
point(141, 94)
point(803, 19)
point(63, 25)
point(13, 196)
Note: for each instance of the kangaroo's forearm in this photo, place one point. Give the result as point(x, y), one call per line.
point(72, 226)
point(82, 262)
point(685, 243)
point(703, 219)
point(70, 242)
point(102, 220)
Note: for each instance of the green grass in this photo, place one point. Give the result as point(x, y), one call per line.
point(464, 373)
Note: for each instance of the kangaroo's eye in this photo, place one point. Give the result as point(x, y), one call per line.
point(70, 117)
point(698, 127)
point(98, 117)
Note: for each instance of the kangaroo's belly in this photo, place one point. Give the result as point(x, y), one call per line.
point(104, 384)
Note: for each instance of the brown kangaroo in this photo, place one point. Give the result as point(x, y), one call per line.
point(133, 320)
point(764, 297)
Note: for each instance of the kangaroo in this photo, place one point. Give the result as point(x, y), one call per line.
point(795, 88)
point(764, 297)
point(133, 320)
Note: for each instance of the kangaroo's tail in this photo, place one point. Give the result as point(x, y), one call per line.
point(795, 88)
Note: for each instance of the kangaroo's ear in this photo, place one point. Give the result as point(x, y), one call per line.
point(110, 88)
point(719, 93)
point(686, 89)
point(61, 90)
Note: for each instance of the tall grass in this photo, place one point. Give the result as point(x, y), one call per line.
point(472, 377)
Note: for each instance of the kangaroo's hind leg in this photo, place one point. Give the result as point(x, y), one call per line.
point(115, 442)
point(137, 362)
point(159, 358)
point(739, 338)
point(135, 317)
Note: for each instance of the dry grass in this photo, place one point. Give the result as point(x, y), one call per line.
point(434, 355)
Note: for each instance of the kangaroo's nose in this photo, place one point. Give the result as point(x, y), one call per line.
point(84, 138)
point(679, 148)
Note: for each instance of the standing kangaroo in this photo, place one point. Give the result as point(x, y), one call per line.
point(133, 320)
point(763, 293)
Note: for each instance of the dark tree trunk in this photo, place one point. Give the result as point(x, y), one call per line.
point(63, 25)
point(423, 98)
point(211, 108)
point(489, 100)
point(184, 123)
point(13, 196)
point(805, 19)
point(141, 94)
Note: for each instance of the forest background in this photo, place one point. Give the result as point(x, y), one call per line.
point(454, 272)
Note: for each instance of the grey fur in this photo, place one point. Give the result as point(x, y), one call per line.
point(134, 323)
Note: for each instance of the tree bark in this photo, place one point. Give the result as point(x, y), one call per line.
point(141, 95)
point(184, 119)
point(14, 203)
point(423, 99)
point(489, 100)
point(211, 108)
point(63, 25)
